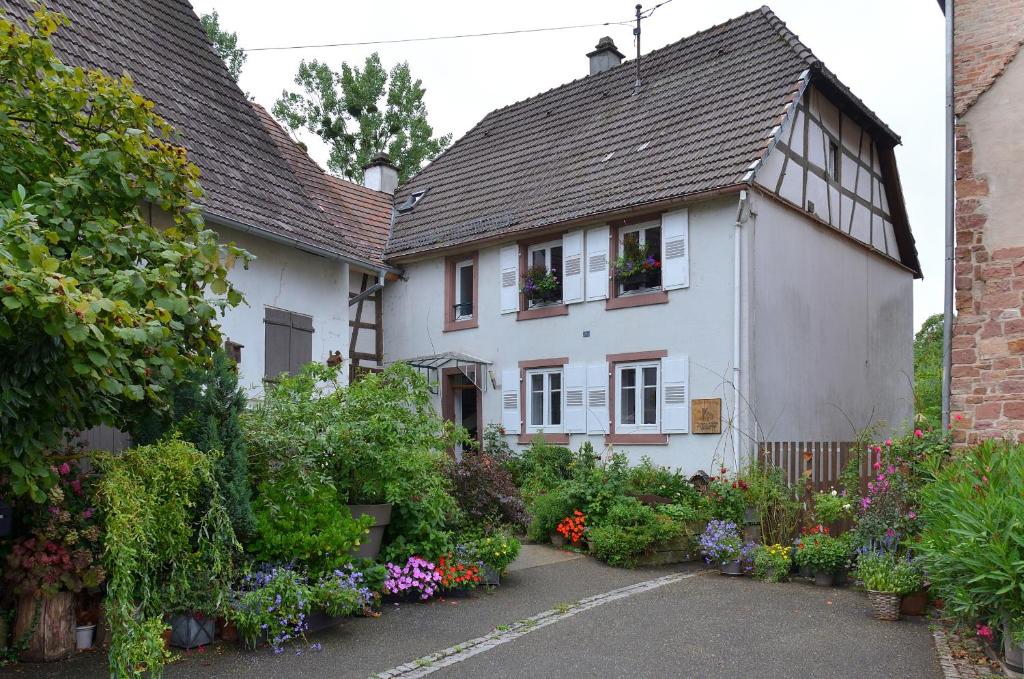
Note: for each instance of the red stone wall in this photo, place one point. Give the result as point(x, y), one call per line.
point(988, 337)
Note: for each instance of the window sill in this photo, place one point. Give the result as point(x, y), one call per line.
point(637, 439)
point(452, 326)
point(641, 299)
point(552, 439)
point(543, 312)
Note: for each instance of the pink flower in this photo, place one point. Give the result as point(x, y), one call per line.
point(911, 515)
point(890, 533)
point(87, 514)
point(76, 486)
point(984, 479)
point(984, 631)
point(958, 417)
point(865, 502)
point(64, 469)
point(888, 442)
point(918, 433)
point(878, 449)
point(892, 469)
point(877, 465)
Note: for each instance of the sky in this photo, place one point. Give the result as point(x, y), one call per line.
point(891, 54)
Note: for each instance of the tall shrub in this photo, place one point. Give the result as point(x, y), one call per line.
point(205, 410)
point(168, 546)
point(972, 543)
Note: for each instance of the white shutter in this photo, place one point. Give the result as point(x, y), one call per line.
point(510, 418)
point(574, 412)
point(509, 261)
point(675, 395)
point(675, 250)
point(597, 398)
point(572, 267)
point(597, 263)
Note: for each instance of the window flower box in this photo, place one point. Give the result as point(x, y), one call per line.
point(637, 268)
point(541, 286)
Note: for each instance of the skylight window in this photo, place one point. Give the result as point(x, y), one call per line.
point(412, 201)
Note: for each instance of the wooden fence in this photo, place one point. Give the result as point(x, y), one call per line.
point(105, 438)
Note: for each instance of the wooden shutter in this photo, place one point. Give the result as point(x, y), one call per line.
point(597, 263)
point(510, 417)
point(509, 260)
point(572, 267)
point(675, 250)
point(301, 340)
point(277, 342)
point(675, 395)
point(574, 412)
point(597, 398)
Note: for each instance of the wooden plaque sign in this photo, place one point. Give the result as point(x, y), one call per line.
point(706, 416)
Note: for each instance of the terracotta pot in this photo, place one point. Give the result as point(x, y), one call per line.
point(227, 630)
point(369, 547)
point(54, 636)
point(915, 603)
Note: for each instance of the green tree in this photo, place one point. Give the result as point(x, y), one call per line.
point(928, 369)
point(205, 411)
point(361, 112)
point(100, 311)
point(225, 44)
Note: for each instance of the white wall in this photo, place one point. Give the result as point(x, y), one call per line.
point(832, 330)
point(290, 279)
point(697, 322)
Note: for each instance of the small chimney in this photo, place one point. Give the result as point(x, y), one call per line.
point(380, 174)
point(605, 56)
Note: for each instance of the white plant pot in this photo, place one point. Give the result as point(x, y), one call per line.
point(84, 636)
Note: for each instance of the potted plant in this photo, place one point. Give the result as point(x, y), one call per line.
point(887, 578)
point(458, 574)
point(721, 544)
point(495, 552)
point(823, 555)
point(636, 268)
point(772, 562)
point(85, 630)
point(541, 285)
point(1013, 644)
point(572, 528)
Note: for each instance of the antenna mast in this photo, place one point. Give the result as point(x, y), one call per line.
point(636, 39)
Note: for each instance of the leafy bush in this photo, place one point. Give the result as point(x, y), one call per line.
point(546, 511)
point(423, 511)
point(831, 507)
point(887, 513)
point(771, 562)
point(777, 505)
point(495, 444)
point(304, 524)
point(542, 467)
point(87, 334)
point(727, 499)
point(683, 512)
point(821, 552)
point(206, 406)
point(485, 492)
point(628, 530)
point(168, 546)
point(886, 572)
point(647, 478)
point(972, 546)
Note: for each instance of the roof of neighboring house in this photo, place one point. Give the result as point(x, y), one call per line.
point(706, 112)
point(362, 216)
point(163, 47)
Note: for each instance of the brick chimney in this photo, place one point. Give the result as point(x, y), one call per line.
point(380, 174)
point(604, 56)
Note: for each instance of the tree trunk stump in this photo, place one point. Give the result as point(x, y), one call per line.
point(54, 635)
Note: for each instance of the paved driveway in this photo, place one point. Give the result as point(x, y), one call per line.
point(676, 622)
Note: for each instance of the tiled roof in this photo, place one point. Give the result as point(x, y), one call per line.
point(361, 216)
point(704, 114)
point(163, 47)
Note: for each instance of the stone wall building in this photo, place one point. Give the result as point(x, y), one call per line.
point(987, 390)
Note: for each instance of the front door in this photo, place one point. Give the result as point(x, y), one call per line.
point(460, 404)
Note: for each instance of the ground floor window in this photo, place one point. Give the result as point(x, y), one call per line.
point(638, 390)
point(544, 400)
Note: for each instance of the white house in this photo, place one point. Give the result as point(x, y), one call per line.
point(313, 289)
point(777, 300)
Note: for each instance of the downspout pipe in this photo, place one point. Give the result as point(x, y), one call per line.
point(737, 307)
point(947, 318)
point(381, 273)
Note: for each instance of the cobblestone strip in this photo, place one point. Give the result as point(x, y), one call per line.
point(946, 662)
point(429, 664)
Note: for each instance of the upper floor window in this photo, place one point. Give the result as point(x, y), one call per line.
point(288, 342)
point(542, 280)
point(544, 400)
point(637, 388)
point(833, 161)
point(463, 308)
point(638, 266)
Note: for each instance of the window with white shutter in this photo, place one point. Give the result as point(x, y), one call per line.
point(509, 262)
point(597, 399)
point(637, 404)
point(597, 263)
point(510, 419)
point(572, 267)
point(574, 412)
point(675, 250)
point(544, 400)
point(675, 399)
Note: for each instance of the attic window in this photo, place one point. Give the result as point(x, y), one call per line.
point(412, 201)
point(833, 161)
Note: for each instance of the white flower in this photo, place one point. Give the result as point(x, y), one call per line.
point(834, 492)
point(846, 506)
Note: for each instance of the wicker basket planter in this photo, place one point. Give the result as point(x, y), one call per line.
point(885, 605)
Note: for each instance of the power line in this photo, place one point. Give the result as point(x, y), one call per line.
point(441, 37)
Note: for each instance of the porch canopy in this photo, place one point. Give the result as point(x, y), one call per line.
point(472, 367)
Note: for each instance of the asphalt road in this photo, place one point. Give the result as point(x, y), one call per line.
point(703, 626)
